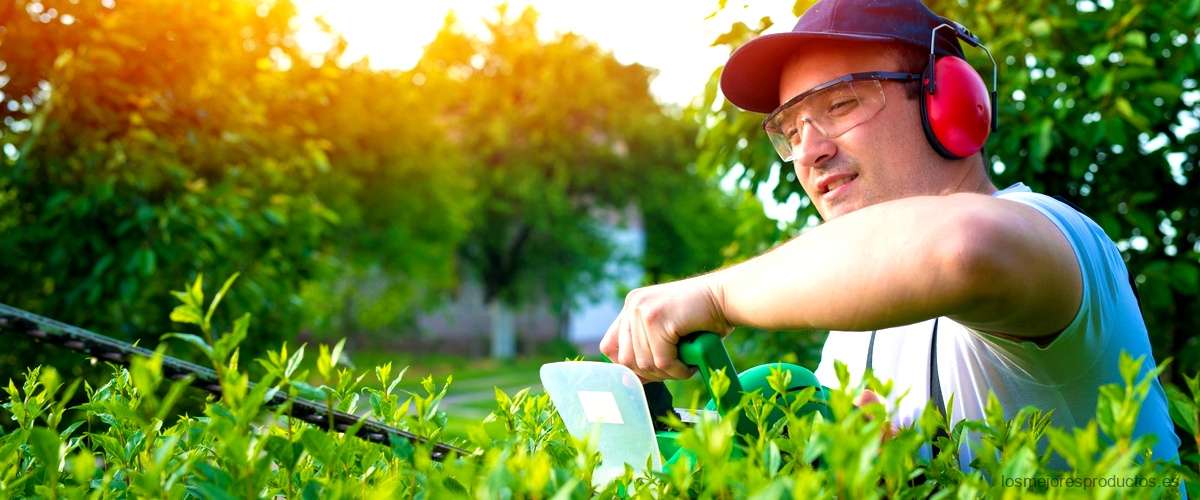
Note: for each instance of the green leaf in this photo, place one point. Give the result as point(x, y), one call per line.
point(196, 293)
point(1101, 86)
point(294, 361)
point(212, 307)
point(718, 385)
point(213, 482)
point(773, 459)
point(173, 394)
point(1041, 143)
point(1125, 109)
point(307, 391)
point(1114, 131)
point(45, 444)
point(285, 453)
point(194, 340)
point(1039, 28)
point(779, 380)
point(1185, 277)
point(336, 355)
point(325, 362)
point(843, 373)
point(1168, 91)
point(320, 445)
point(1136, 39)
point(187, 314)
point(502, 400)
point(798, 8)
point(1183, 409)
point(736, 35)
point(401, 447)
point(228, 342)
point(83, 467)
point(1193, 8)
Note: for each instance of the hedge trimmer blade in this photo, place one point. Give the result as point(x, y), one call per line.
point(605, 404)
point(93, 344)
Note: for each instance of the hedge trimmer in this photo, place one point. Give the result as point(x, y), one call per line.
point(13, 320)
point(607, 403)
point(602, 401)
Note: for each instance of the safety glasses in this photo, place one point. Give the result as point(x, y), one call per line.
point(833, 108)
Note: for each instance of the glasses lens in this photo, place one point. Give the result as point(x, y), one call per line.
point(833, 111)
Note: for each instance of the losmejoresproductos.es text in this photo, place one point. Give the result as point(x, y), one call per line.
point(1112, 481)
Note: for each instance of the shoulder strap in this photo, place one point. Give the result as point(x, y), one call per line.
point(871, 351)
point(935, 383)
point(935, 388)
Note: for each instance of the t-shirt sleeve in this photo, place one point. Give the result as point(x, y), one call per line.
point(1106, 290)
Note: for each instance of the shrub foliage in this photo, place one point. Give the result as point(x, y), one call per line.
point(123, 439)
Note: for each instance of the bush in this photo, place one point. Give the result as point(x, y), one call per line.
point(123, 441)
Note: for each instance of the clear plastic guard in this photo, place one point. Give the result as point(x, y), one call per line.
point(604, 403)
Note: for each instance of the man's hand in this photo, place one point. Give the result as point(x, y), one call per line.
point(869, 397)
point(645, 335)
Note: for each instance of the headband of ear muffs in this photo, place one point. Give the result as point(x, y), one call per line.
point(956, 107)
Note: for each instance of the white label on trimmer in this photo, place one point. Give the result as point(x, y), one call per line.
point(600, 407)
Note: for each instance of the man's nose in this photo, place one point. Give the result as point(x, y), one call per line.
point(814, 148)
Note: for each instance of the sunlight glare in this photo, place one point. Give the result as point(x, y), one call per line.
point(672, 37)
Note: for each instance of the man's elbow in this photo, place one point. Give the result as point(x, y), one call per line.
point(972, 263)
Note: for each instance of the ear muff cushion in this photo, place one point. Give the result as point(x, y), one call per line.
point(958, 115)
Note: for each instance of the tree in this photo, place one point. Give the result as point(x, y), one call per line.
point(397, 183)
point(151, 140)
point(141, 151)
point(1097, 104)
point(560, 135)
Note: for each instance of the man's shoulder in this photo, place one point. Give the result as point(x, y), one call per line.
point(1058, 206)
point(1082, 232)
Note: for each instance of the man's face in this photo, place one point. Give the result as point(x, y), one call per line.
point(883, 158)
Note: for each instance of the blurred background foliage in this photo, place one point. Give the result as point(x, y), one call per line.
point(562, 138)
point(150, 140)
point(147, 140)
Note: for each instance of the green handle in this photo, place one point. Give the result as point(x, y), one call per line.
point(705, 352)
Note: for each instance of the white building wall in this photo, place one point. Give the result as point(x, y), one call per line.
point(589, 320)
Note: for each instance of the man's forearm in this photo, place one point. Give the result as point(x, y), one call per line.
point(885, 265)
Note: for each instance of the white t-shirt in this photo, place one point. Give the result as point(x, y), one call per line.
point(1064, 376)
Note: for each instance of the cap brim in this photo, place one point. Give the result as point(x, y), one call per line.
point(750, 79)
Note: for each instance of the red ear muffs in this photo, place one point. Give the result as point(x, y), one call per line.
point(956, 109)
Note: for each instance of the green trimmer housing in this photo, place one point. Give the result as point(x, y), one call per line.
point(706, 352)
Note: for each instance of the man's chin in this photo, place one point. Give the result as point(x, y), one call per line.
point(829, 213)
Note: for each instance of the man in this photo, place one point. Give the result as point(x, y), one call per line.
point(922, 270)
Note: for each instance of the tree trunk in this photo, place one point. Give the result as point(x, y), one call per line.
point(504, 332)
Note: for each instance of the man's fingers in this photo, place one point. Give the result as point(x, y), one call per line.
point(642, 343)
point(674, 368)
point(609, 344)
point(625, 353)
point(666, 352)
point(867, 397)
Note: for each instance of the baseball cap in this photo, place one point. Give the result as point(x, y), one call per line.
point(750, 79)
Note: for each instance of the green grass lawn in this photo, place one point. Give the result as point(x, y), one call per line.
point(468, 372)
point(472, 392)
point(471, 395)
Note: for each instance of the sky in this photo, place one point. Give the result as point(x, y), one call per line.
point(671, 36)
